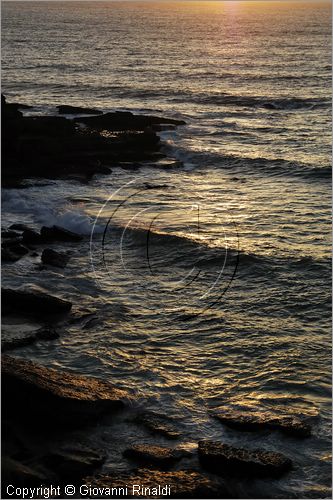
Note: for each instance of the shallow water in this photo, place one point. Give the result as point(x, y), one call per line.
point(229, 302)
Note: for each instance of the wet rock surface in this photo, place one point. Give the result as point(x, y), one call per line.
point(19, 335)
point(183, 484)
point(149, 454)
point(57, 233)
point(251, 422)
point(218, 458)
point(14, 472)
point(72, 110)
point(49, 395)
point(32, 142)
point(159, 424)
point(53, 258)
point(32, 302)
point(74, 461)
point(125, 120)
point(13, 253)
point(31, 237)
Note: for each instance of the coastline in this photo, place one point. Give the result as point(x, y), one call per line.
point(61, 400)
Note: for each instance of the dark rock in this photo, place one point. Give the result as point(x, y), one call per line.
point(15, 336)
point(21, 106)
point(162, 127)
point(9, 234)
point(121, 121)
point(218, 457)
point(56, 233)
point(74, 461)
point(159, 424)
point(53, 398)
point(46, 126)
point(9, 242)
point(251, 422)
point(72, 110)
point(33, 302)
point(152, 455)
point(13, 252)
point(47, 333)
point(19, 250)
point(9, 111)
point(31, 237)
point(8, 256)
point(183, 484)
point(53, 258)
point(18, 474)
point(269, 105)
point(20, 227)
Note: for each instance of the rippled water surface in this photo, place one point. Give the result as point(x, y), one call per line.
point(230, 305)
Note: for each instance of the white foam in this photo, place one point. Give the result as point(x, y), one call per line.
point(29, 206)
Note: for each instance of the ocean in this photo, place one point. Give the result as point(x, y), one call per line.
point(205, 281)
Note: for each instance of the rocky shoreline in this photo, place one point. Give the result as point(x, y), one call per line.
point(48, 443)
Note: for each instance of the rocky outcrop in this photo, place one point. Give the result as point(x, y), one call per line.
point(54, 398)
point(31, 237)
point(32, 302)
point(158, 424)
point(218, 458)
point(13, 253)
point(182, 484)
point(54, 146)
point(125, 120)
point(57, 233)
point(72, 462)
point(14, 472)
point(251, 422)
point(160, 456)
point(53, 258)
point(19, 335)
point(73, 110)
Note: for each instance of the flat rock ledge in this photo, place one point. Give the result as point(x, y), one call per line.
point(158, 424)
point(218, 458)
point(48, 395)
point(252, 422)
point(182, 484)
point(32, 302)
point(159, 456)
point(19, 335)
point(74, 461)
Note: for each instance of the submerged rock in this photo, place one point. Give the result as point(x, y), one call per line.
point(18, 474)
point(74, 461)
point(72, 110)
point(57, 233)
point(147, 483)
point(125, 120)
point(47, 333)
point(152, 455)
point(53, 258)
point(53, 398)
point(159, 424)
point(19, 335)
point(9, 234)
point(33, 302)
point(20, 227)
point(13, 336)
point(8, 255)
point(218, 457)
point(252, 422)
point(10, 242)
point(31, 237)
